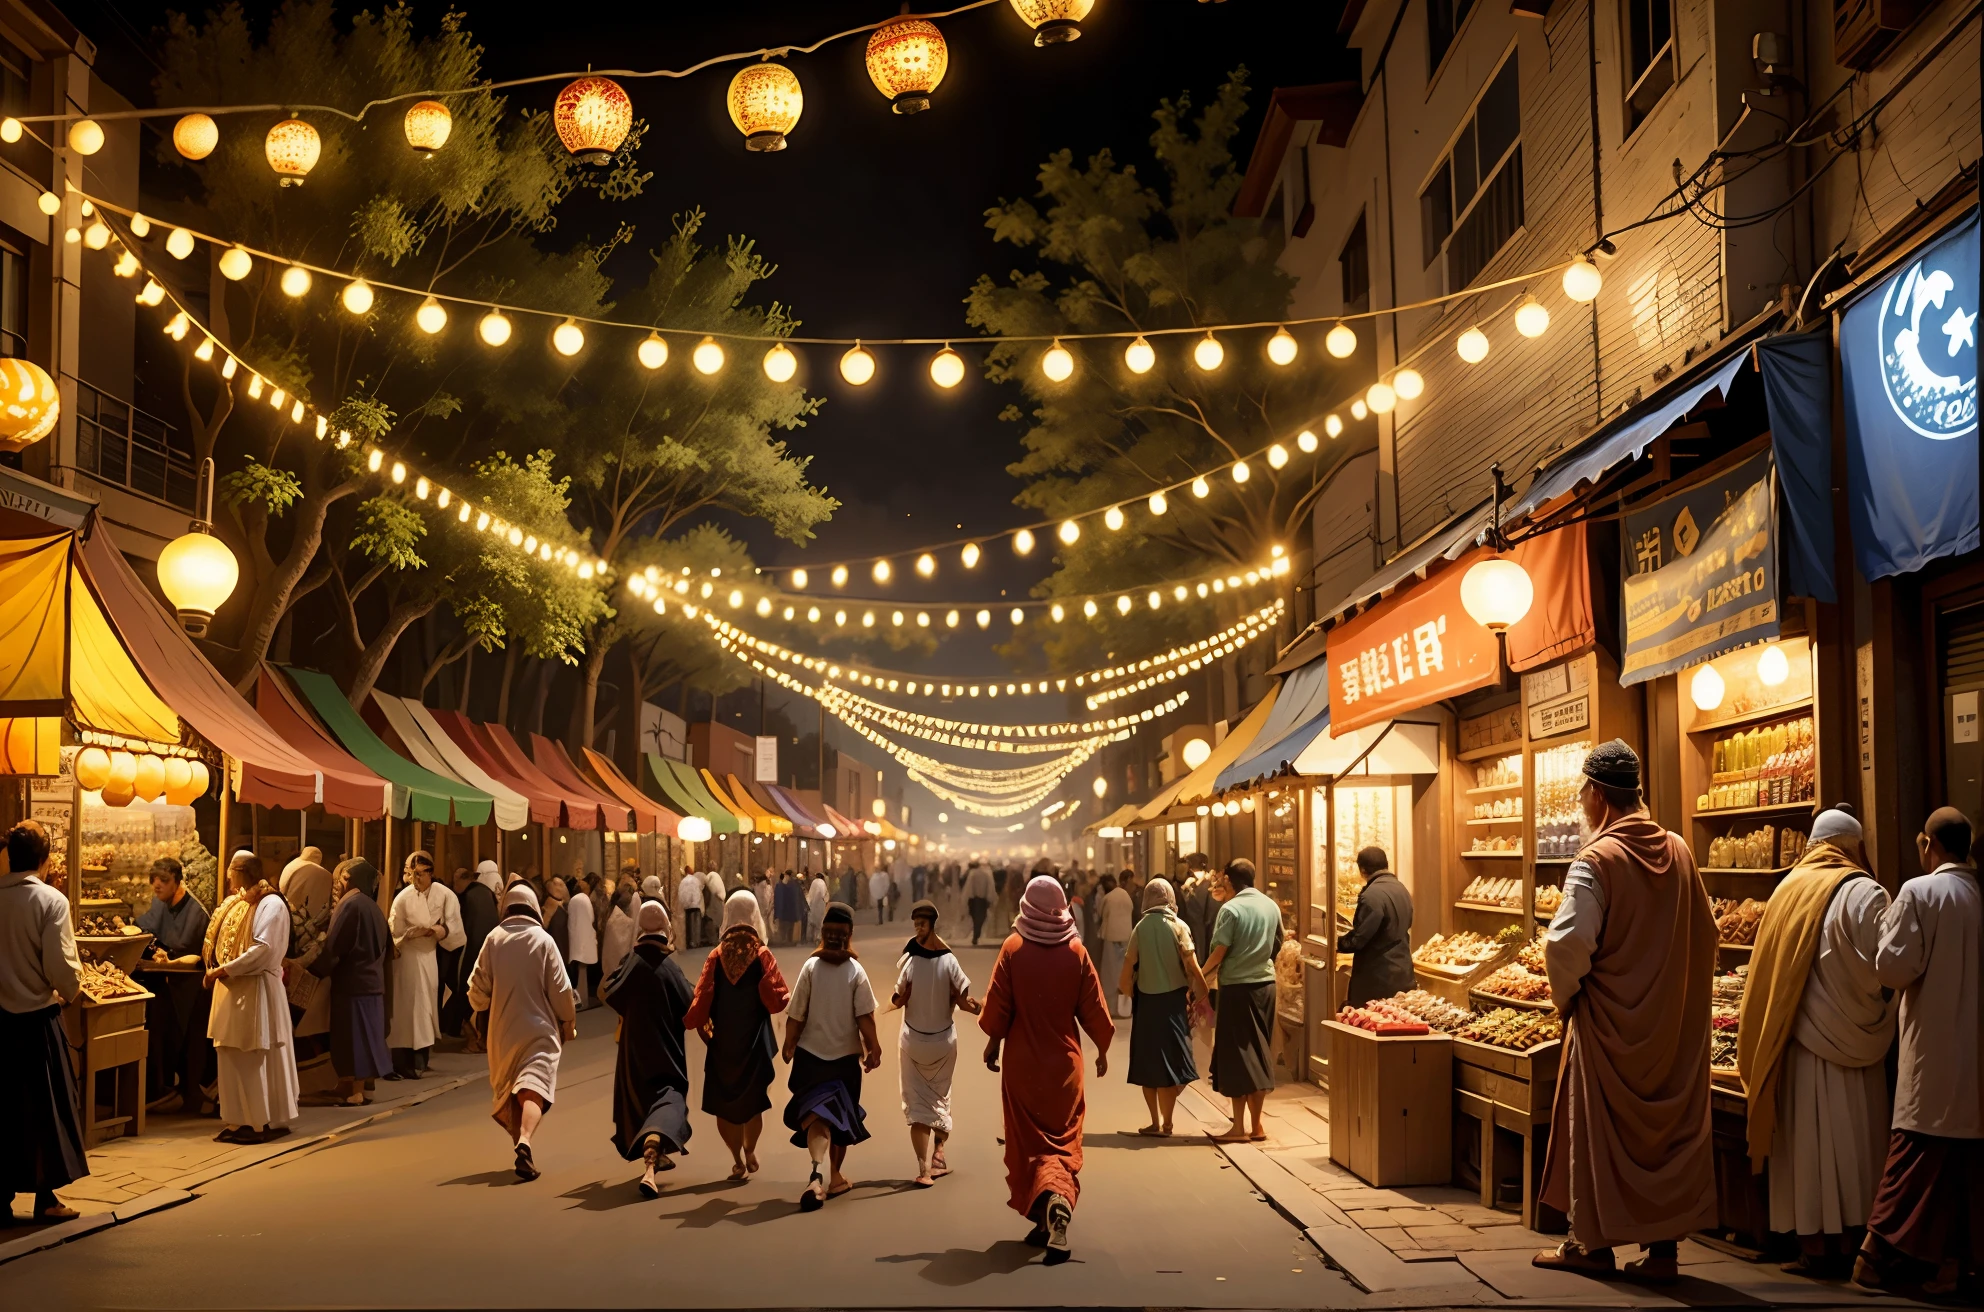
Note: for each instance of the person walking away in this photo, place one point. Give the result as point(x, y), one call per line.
point(481, 908)
point(830, 1041)
point(1927, 1221)
point(979, 891)
point(689, 905)
point(930, 987)
point(714, 895)
point(651, 1068)
point(249, 1017)
point(42, 1149)
point(1117, 916)
point(1044, 995)
point(1196, 905)
point(816, 906)
point(1161, 977)
point(899, 883)
point(1630, 955)
point(582, 940)
point(782, 916)
point(1809, 1046)
point(352, 962)
point(421, 927)
point(305, 884)
point(621, 931)
point(1380, 936)
point(1245, 935)
point(878, 893)
point(737, 994)
point(523, 985)
point(176, 1014)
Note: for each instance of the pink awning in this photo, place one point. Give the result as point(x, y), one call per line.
point(349, 788)
point(551, 759)
point(545, 804)
point(581, 811)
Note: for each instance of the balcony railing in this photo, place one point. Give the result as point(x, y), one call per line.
point(121, 444)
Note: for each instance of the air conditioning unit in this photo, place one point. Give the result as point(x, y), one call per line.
point(1862, 30)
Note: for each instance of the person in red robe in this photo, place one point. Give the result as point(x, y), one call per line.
point(1044, 994)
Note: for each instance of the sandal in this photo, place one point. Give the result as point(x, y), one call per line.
point(1571, 1256)
point(1153, 1130)
point(59, 1212)
point(810, 1201)
point(526, 1164)
point(1652, 1270)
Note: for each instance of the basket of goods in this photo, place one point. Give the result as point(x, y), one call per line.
point(1736, 923)
point(1383, 1019)
point(1486, 890)
point(1438, 1013)
point(1505, 1027)
point(103, 982)
point(1516, 982)
point(112, 938)
point(1456, 954)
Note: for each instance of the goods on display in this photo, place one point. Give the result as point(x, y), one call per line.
point(101, 926)
point(103, 982)
point(1725, 1014)
point(1531, 956)
point(1505, 1027)
point(1505, 772)
point(1727, 990)
point(1548, 898)
point(1502, 891)
point(1736, 922)
point(1765, 848)
point(119, 844)
point(1491, 729)
point(1382, 1018)
point(1366, 816)
point(1516, 982)
point(1559, 773)
point(1500, 844)
point(1460, 951)
point(1437, 1012)
point(1771, 765)
point(1502, 808)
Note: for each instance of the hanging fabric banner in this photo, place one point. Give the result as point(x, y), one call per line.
point(1701, 573)
point(1908, 368)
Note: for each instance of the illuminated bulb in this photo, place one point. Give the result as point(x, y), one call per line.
point(969, 555)
point(1381, 398)
point(441, 499)
point(736, 598)
point(857, 366)
point(1773, 667)
point(926, 564)
point(1201, 488)
point(984, 618)
point(1158, 503)
point(96, 236)
point(375, 459)
point(1089, 608)
point(1070, 532)
point(652, 352)
point(882, 572)
point(179, 243)
point(421, 487)
point(780, 363)
point(235, 263)
point(255, 387)
point(923, 619)
point(494, 329)
point(950, 619)
point(399, 476)
point(764, 607)
point(812, 614)
point(1497, 593)
point(1706, 688)
point(1112, 518)
point(1123, 605)
point(1278, 454)
point(1358, 409)
point(1307, 440)
point(73, 236)
point(1055, 613)
point(204, 351)
point(1341, 341)
point(1281, 347)
point(1139, 356)
point(296, 413)
point(177, 327)
point(1058, 363)
point(10, 130)
point(1016, 615)
point(799, 579)
point(568, 339)
point(1408, 384)
point(126, 266)
point(1208, 354)
point(1472, 346)
point(707, 357)
point(295, 281)
point(1154, 600)
point(357, 296)
point(1582, 280)
point(867, 619)
point(839, 576)
point(431, 317)
point(1023, 541)
point(895, 618)
point(947, 368)
point(229, 366)
point(1241, 471)
point(1532, 319)
point(86, 136)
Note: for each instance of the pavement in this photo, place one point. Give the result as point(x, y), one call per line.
point(412, 1202)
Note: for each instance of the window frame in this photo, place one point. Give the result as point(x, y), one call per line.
point(1436, 63)
point(1359, 239)
point(1662, 60)
point(1487, 174)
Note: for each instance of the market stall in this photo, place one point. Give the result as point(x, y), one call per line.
point(406, 726)
point(657, 827)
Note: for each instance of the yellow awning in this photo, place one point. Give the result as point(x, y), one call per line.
point(762, 821)
point(1199, 783)
point(746, 823)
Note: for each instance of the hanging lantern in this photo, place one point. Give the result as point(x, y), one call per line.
point(1706, 688)
point(593, 116)
point(123, 774)
point(197, 573)
point(86, 136)
point(765, 104)
point(906, 61)
point(947, 368)
point(1054, 22)
point(1773, 667)
point(1497, 592)
point(195, 136)
point(178, 779)
point(93, 768)
point(29, 404)
point(31, 745)
point(428, 124)
point(200, 779)
point(292, 148)
point(150, 779)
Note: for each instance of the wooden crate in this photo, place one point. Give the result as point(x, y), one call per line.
point(1512, 1091)
point(110, 1047)
point(1742, 1198)
point(1391, 1096)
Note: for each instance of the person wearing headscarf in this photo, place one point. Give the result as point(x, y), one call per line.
point(651, 889)
point(249, 1020)
point(306, 886)
point(714, 895)
point(737, 994)
point(557, 920)
point(930, 987)
point(651, 1068)
point(352, 963)
point(1162, 979)
point(816, 905)
point(1044, 995)
point(426, 918)
point(521, 981)
point(480, 910)
point(830, 1040)
point(1630, 955)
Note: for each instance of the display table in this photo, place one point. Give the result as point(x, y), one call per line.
point(1509, 1090)
point(1391, 1105)
point(1742, 1198)
point(109, 1045)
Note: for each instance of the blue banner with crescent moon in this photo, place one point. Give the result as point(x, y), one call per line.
point(1908, 366)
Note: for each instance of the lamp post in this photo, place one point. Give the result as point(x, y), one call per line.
point(196, 570)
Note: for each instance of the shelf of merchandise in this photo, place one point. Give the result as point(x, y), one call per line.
point(1493, 788)
point(1775, 808)
point(1494, 908)
point(1496, 820)
point(1482, 856)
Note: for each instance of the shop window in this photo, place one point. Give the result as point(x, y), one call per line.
point(1649, 57)
point(1474, 203)
point(1444, 19)
point(1355, 261)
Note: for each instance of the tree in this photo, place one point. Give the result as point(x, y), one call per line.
point(1114, 253)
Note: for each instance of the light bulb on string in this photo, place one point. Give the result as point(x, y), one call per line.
point(1023, 542)
point(431, 317)
point(1532, 318)
point(235, 263)
point(1058, 363)
point(1155, 599)
point(1201, 488)
point(707, 357)
point(1070, 532)
point(295, 281)
point(179, 243)
point(1582, 280)
point(126, 266)
point(969, 556)
point(1472, 346)
point(882, 572)
point(11, 130)
point(1139, 356)
point(494, 328)
point(1056, 613)
point(1158, 503)
point(857, 366)
point(204, 351)
point(1278, 455)
point(357, 296)
point(799, 579)
point(1208, 354)
point(1017, 616)
point(568, 339)
point(780, 363)
point(1242, 471)
point(1306, 440)
point(1340, 341)
point(1282, 347)
point(839, 576)
point(950, 619)
point(1123, 605)
point(1381, 398)
point(947, 368)
point(1409, 384)
point(1358, 410)
point(652, 352)
point(1112, 518)
point(984, 618)
point(1089, 608)
point(96, 236)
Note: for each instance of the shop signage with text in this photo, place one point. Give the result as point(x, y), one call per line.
point(1416, 648)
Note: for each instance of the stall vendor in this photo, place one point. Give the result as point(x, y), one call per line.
point(181, 1062)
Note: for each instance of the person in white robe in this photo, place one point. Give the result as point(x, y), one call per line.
point(621, 929)
point(425, 918)
point(523, 987)
point(816, 906)
point(582, 935)
point(249, 1020)
point(930, 987)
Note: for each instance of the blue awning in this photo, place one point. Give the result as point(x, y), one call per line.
point(1300, 713)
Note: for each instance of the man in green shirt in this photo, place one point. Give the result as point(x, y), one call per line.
point(1245, 936)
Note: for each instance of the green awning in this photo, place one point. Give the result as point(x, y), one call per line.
point(682, 787)
point(417, 793)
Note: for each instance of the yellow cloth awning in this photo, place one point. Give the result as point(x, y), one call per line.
point(746, 822)
point(1199, 783)
point(762, 821)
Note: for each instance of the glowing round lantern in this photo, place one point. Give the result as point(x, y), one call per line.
point(906, 61)
point(195, 136)
point(765, 104)
point(1706, 688)
point(1054, 21)
point(197, 573)
point(29, 404)
point(30, 745)
point(178, 780)
point(149, 781)
point(292, 148)
point(200, 779)
point(86, 136)
point(93, 768)
point(1497, 592)
point(123, 772)
point(593, 116)
point(117, 794)
point(428, 124)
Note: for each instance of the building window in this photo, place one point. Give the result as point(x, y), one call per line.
point(13, 302)
point(1444, 19)
point(1649, 57)
point(14, 78)
point(1355, 259)
point(121, 444)
point(1474, 203)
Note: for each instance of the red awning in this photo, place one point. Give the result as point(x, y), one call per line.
point(544, 805)
point(845, 830)
point(651, 816)
point(271, 771)
point(581, 812)
point(551, 759)
point(349, 788)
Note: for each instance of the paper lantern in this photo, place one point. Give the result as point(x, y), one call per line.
point(693, 829)
point(906, 61)
point(117, 794)
point(149, 781)
point(178, 780)
point(292, 147)
point(1054, 22)
point(200, 779)
point(235, 264)
point(1497, 592)
point(1773, 667)
point(765, 103)
point(1196, 751)
point(29, 404)
point(195, 136)
point(428, 124)
point(123, 771)
point(197, 573)
point(31, 745)
point(93, 768)
point(1706, 688)
point(593, 116)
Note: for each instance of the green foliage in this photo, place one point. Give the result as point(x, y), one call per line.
point(389, 533)
point(275, 490)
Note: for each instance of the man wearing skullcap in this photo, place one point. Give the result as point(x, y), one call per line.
point(1927, 1222)
point(1630, 955)
point(1815, 1026)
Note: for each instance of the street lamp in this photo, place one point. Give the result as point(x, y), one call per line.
point(196, 570)
point(1497, 592)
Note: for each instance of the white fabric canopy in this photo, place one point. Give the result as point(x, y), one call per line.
point(434, 750)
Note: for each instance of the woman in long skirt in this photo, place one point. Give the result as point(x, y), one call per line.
point(930, 986)
point(738, 993)
point(1162, 978)
point(830, 1040)
point(651, 1070)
